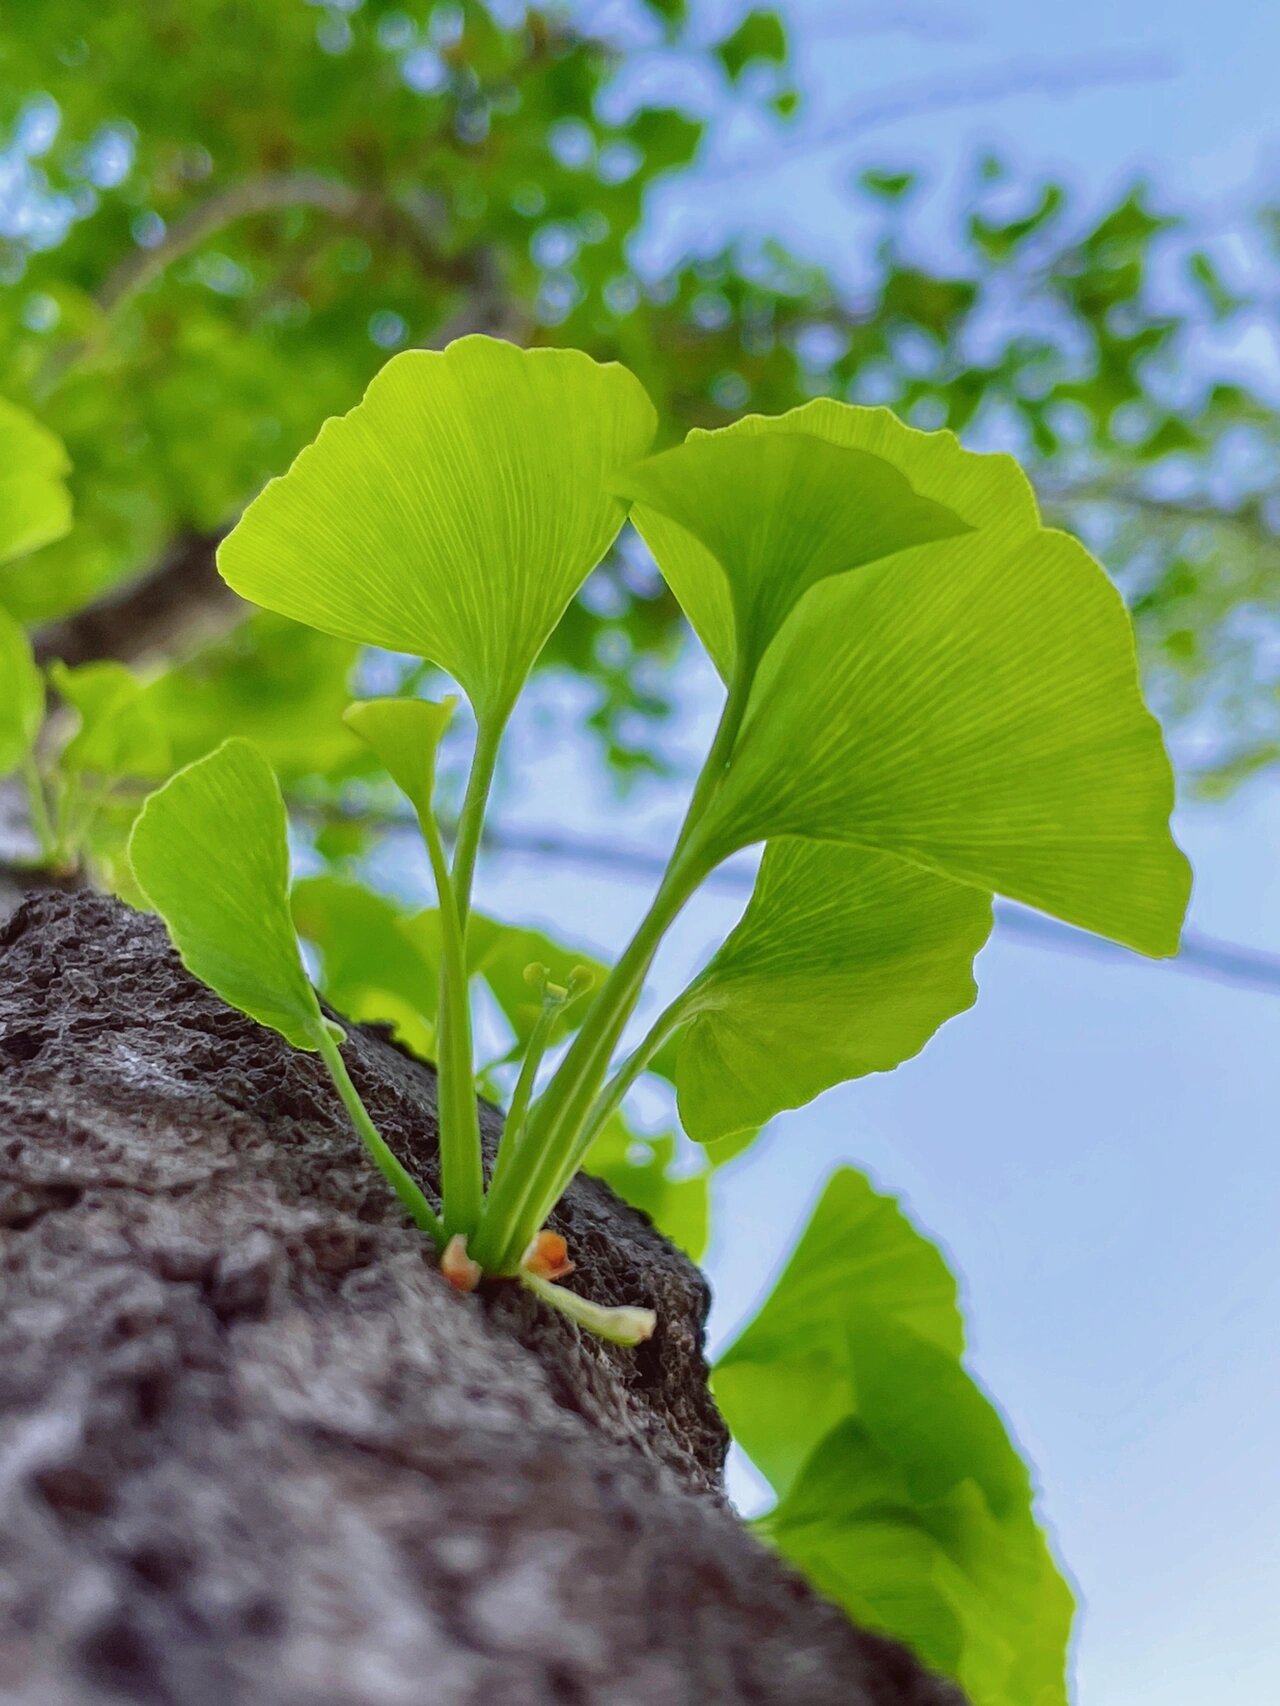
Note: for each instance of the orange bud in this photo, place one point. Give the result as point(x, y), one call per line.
point(457, 1267)
point(548, 1257)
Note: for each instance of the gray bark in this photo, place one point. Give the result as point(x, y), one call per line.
point(254, 1451)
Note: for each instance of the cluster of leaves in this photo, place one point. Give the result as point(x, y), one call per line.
point(929, 697)
point(232, 212)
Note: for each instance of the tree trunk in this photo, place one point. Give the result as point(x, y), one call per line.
point(254, 1451)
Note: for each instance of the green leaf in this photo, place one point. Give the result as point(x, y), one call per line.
point(788, 1379)
point(406, 736)
point(971, 705)
point(121, 732)
point(742, 525)
point(22, 699)
point(210, 851)
point(901, 1493)
point(760, 36)
point(975, 1593)
point(35, 506)
point(845, 962)
point(376, 962)
point(639, 1168)
point(454, 512)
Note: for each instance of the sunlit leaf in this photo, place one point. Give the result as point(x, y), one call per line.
point(971, 706)
point(901, 1494)
point(454, 512)
point(845, 962)
point(742, 525)
point(406, 735)
point(35, 506)
point(21, 695)
point(210, 851)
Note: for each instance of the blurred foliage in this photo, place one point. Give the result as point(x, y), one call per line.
point(219, 217)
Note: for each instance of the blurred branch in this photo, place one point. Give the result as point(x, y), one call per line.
point(225, 207)
point(181, 602)
point(1201, 956)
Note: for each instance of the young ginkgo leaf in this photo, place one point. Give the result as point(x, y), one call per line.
point(35, 506)
point(454, 512)
point(742, 526)
point(210, 851)
point(846, 961)
point(21, 695)
point(975, 710)
point(406, 736)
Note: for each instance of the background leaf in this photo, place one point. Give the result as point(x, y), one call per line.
point(210, 851)
point(454, 512)
point(35, 505)
point(900, 1492)
point(22, 698)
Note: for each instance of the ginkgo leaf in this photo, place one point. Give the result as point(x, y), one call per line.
point(901, 1493)
point(35, 505)
point(210, 851)
point(454, 512)
point(974, 1592)
point(976, 711)
point(845, 962)
point(21, 695)
point(787, 1379)
point(406, 735)
point(742, 526)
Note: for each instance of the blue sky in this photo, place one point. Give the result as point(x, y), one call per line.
point(1094, 1144)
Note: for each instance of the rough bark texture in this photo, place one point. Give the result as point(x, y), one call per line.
point(254, 1452)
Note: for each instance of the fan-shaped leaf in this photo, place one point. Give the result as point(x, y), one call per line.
point(742, 525)
point(210, 851)
point(787, 1379)
point(454, 512)
point(901, 1493)
point(975, 711)
point(845, 962)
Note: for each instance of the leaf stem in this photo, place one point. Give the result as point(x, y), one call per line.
point(522, 1095)
point(461, 1163)
point(561, 1123)
point(38, 807)
point(420, 1210)
point(611, 1096)
point(475, 801)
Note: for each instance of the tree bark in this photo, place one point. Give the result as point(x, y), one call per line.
point(255, 1452)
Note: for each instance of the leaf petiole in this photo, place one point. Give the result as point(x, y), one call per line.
point(623, 1325)
point(326, 1038)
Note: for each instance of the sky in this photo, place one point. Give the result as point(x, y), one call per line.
point(1093, 1145)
